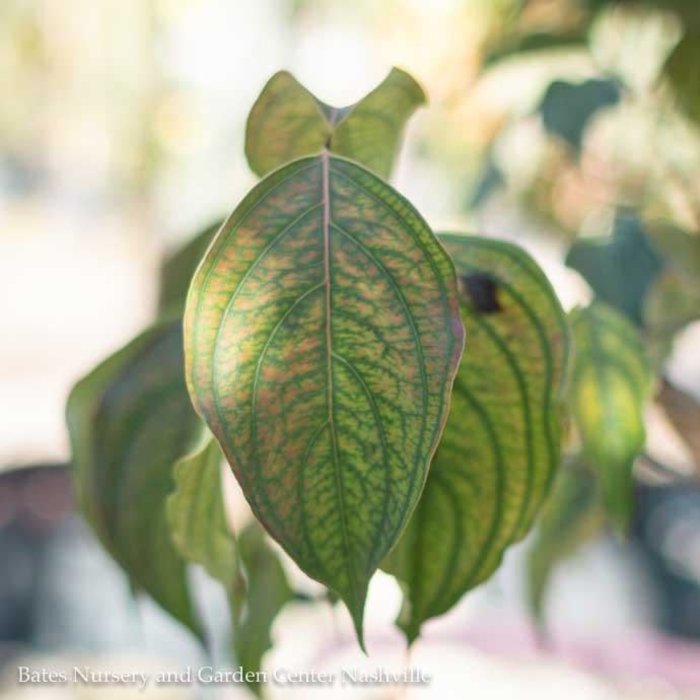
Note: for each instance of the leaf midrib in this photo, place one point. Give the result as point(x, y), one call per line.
point(340, 487)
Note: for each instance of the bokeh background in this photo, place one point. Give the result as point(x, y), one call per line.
point(121, 136)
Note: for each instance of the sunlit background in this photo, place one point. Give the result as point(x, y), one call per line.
point(121, 135)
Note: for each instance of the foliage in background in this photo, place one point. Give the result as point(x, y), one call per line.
point(614, 173)
point(129, 420)
point(609, 386)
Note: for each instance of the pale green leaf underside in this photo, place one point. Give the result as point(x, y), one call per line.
point(287, 122)
point(610, 383)
point(500, 447)
point(267, 591)
point(197, 515)
point(250, 571)
point(322, 335)
point(129, 420)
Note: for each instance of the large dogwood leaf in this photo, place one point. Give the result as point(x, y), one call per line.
point(287, 122)
point(610, 383)
point(500, 447)
point(129, 420)
point(322, 335)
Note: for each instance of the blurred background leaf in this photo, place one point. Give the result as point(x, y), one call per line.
point(197, 515)
point(609, 385)
point(129, 420)
point(177, 269)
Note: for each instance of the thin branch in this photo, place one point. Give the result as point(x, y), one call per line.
point(683, 411)
point(663, 471)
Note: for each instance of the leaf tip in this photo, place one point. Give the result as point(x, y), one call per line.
point(355, 604)
point(408, 621)
point(411, 632)
point(357, 615)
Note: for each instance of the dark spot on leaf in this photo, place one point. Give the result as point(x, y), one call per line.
point(482, 290)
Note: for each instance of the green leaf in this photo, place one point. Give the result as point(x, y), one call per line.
point(129, 420)
point(621, 268)
point(287, 122)
point(250, 571)
point(610, 384)
point(322, 335)
point(681, 70)
point(500, 447)
point(572, 516)
point(197, 515)
point(178, 268)
point(266, 593)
